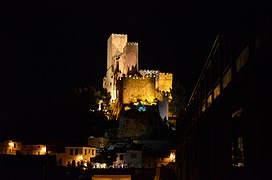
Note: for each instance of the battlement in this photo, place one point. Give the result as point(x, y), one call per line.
point(134, 88)
point(166, 74)
point(149, 72)
point(136, 76)
point(165, 82)
point(116, 34)
point(132, 44)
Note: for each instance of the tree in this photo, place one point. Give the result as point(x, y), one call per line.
point(82, 108)
point(177, 104)
point(85, 99)
point(104, 103)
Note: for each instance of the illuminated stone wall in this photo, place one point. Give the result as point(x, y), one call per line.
point(122, 60)
point(155, 73)
point(165, 82)
point(128, 62)
point(135, 88)
point(10, 147)
point(115, 46)
point(34, 149)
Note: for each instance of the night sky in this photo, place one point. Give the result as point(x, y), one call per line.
point(48, 48)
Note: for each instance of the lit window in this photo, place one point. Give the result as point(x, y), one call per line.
point(204, 106)
point(209, 100)
point(216, 91)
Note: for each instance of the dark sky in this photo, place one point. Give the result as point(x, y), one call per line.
point(50, 47)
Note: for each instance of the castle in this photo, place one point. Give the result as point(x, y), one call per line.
point(127, 84)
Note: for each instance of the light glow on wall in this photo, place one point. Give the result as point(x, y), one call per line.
point(11, 144)
point(172, 156)
point(79, 158)
point(43, 149)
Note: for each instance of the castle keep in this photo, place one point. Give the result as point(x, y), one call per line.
point(127, 84)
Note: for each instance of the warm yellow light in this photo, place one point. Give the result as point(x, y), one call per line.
point(11, 144)
point(103, 165)
point(127, 108)
point(172, 156)
point(79, 158)
point(43, 149)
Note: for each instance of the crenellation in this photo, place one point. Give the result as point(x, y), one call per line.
point(132, 44)
point(166, 74)
point(136, 76)
point(149, 72)
point(118, 34)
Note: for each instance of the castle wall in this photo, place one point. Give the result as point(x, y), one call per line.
point(151, 73)
point(165, 82)
point(122, 60)
point(164, 107)
point(115, 46)
point(135, 88)
point(129, 61)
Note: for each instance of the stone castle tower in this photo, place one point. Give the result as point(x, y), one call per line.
point(127, 84)
point(122, 58)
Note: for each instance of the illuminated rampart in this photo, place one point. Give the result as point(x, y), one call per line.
point(138, 89)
